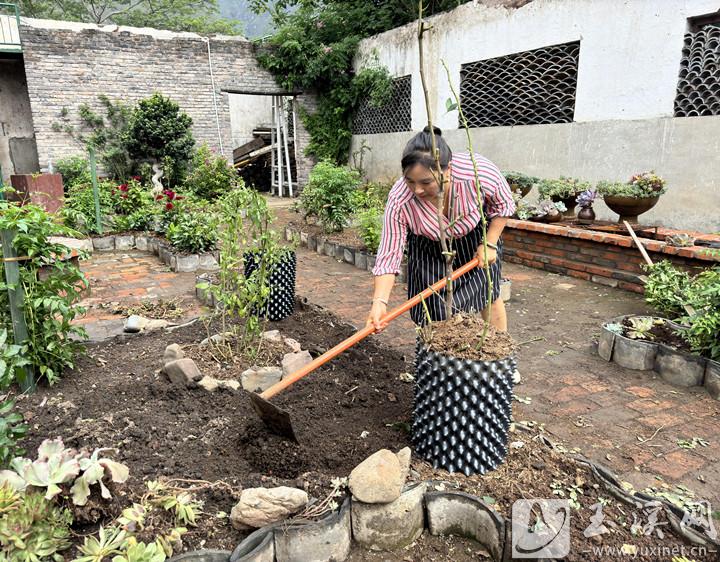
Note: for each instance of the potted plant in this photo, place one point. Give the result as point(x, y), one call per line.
point(563, 189)
point(520, 182)
point(544, 211)
point(585, 200)
point(631, 199)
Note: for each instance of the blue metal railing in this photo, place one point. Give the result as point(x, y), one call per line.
point(9, 27)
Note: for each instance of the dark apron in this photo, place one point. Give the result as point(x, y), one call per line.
point(426, 265)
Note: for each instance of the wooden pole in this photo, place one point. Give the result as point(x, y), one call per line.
point(26, 377)
point(96, 193)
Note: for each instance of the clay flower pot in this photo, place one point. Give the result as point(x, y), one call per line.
point(586, 215)
point(523, 189)
point(570, 202)
point(629, 208)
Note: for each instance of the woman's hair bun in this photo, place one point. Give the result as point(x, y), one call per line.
point(436, 130)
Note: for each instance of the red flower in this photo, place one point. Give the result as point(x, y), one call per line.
point(137, 178)
point(158, 197)
point(124, 196)
point(179, 198)
point(169, 207)
point(123, 187)
point(171, 196)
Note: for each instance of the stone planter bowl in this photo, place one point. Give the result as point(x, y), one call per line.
point(629, 208)
point(638, 355)
point(679, 368)
point(202, 556)
point(712, 378)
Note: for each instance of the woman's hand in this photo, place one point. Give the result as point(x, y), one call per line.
point(377, 311)
point(491, 255)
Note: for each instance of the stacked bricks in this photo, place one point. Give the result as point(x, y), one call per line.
point(608, 259)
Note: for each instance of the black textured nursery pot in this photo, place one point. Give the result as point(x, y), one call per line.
point(462, 411)
point(281, 302)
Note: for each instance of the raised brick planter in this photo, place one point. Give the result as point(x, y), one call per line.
point(609, 259)
point(45, 190)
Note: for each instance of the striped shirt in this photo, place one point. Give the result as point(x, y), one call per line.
point(406, 211)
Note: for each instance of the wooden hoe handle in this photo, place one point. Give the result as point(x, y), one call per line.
point(365, 332)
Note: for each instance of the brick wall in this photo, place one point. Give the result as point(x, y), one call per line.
point(608, 259)
point(68, 64)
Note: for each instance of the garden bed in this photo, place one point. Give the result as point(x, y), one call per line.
point(116, 397)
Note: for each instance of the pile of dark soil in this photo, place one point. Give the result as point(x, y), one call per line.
point(116, 397)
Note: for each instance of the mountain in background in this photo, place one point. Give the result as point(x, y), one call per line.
point(254, 25)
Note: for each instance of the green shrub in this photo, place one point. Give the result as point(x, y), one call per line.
point(50, 300)
point(640, 186)
point(158, 130)
point(518, 180)
point(211, 175)
point(11, 358)
point(561, 188)
point(74, 170)
point(330, 195)
point(703, 298)
point(32, 528)
point(371, 222)
point(666, 288)
point(193, 231)
point(78, 211)
point(12, 430)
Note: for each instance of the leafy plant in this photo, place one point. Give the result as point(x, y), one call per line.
point(170, 206)
point(185, 507)
point(50, 300)
point(141, 552)
point(11, 359)
point(34, 529)
point(158, 130)
point(647, 184)
point(194, 232)
point(74, 170)
point(78, 212)
point(561, 188)
point(12, 430)
point(615, 328)
point(681, 240)
point(586, 198)
point(641, 326)
point(211, 175)
point(130, 197)
point(666, 288)
point(703, 300)
point(94, 469)
point(518, 180)
point(371, 222)
point(109, 541)
point(329, 195)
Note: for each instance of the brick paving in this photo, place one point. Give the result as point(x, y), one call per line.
point(630, 421)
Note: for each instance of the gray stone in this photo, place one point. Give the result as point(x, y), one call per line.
point(208, 383)
point(261, 506)
point(378, 479)
point(153, 245)
point(288, 234)
point(124, 242)
point(190, 262)
point(207, 262)
point(135, 323)
point(371, 262)
point(361, 260)
point(230, 384)
point(456, 513)
point(606, 343)
point(339, 252)
point(330, 248)
point(182, 371)
point(272, 336)
point(320, 541)
point(403, 456)
point(80, 244)
point(292, 362)
point(104, 243)
point(202, 556)
point(506, 290)
point(712, 379)
point(349, 255)
point(164, 253)
point(294, 345)
point(320, 247)
point(633, 354)
point(678, 368)
point(141, 242)
point(216, 338)
point(303, 238)
point(257, 547)
point(260, 378)
point(390, 526)
point(173, 352)
point(311, 242)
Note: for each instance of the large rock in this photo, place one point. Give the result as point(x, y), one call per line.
point(390, 526)
point(294, 345)
point(208, 383)
point(261, 506)
point(182, 371)
point(260, 378)
point(292, 362)
point(173, 352)
point(378, 479)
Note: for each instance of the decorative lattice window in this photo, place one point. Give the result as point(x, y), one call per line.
point(530, 88)
point(698, 91)
point(393, 117)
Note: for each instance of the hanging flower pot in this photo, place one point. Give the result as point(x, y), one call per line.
point(281, 280)
point(462, 411)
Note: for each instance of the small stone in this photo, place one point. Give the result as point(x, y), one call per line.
point(231, 384)
point(272, 336)
point(124, 242)
point(292, 362)
point(378, 479)
point(565, 286)
point(260, 378)
point(135, 323)
point(403, 456)
point(216, 338)
point(294, 345)
point(208, 383)
point(173, 352)
point(538, 465)
point(261, 506)
point(182, 371)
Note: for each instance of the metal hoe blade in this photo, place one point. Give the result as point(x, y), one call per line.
point(276, 420)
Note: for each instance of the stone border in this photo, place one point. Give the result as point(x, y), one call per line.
point(146, 242)
point(674, 367)
point(359, 257)
point(421, 506)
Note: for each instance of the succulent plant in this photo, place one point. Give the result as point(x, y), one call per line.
point(562, 187)
point(681, 239)
point(94, 470)
point(586, 198)
point(640, 327)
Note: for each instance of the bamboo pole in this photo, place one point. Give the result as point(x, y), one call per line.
point(96, 193)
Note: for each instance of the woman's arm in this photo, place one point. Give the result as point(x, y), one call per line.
point(381, 297)
point(494, 231)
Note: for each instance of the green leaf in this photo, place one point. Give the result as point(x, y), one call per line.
point(450, 105)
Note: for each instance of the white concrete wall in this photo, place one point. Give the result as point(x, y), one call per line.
point(627, 76)
point(246, 113)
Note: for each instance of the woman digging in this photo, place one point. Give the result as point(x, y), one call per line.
point(412, 213)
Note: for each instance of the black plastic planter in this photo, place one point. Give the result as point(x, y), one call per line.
point(281, 302)
point(462, 411)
